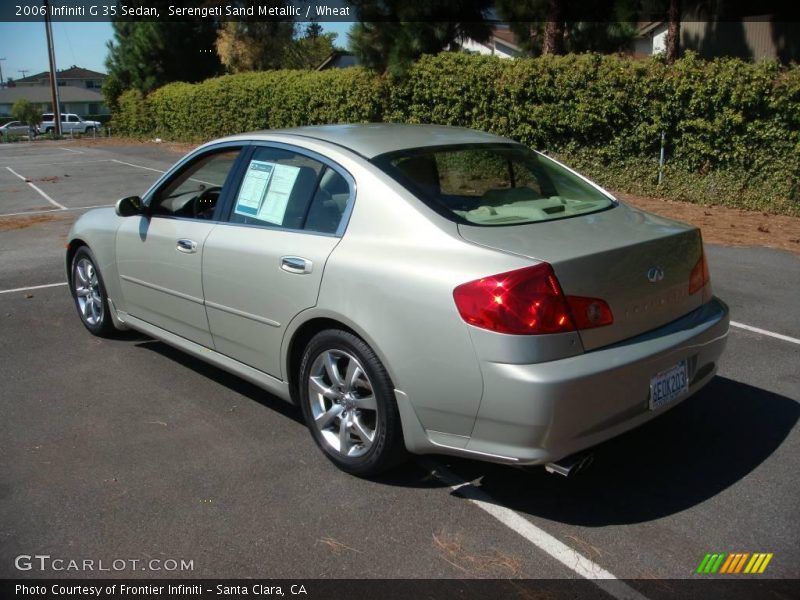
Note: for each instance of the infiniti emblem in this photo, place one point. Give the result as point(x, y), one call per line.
point(655, 274)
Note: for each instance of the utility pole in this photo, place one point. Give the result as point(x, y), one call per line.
point(53, 83)
point(24, 72)
point(2, 83)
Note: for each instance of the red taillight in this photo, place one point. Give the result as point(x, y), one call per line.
point(700, 277)
point(527, 301)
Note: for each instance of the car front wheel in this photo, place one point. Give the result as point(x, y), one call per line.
point(348, 404)
point(89, 293)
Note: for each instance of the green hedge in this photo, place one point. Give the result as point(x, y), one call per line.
point(732, 128)
point(250, 101)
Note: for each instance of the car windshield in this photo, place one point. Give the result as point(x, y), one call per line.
point(497, 184)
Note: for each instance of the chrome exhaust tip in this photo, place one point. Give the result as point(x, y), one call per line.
point(569, 466)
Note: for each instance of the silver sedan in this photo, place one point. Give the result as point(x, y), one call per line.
point(16, 128)
point(415, 289)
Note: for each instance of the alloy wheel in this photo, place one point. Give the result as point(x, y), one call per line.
point(87, 292)
point(343, 403)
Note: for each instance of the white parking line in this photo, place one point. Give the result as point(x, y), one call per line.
point(33, 287)
point(50, 210)
point(122, 162)
point(777, 336)
point(570, 558)
point(71, 150)
point(45, 196)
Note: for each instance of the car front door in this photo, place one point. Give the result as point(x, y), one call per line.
point(264, 265)
point(159, 255)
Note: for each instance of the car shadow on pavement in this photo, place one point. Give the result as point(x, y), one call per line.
point(677, 461)
point(230, 381)
point(409, 474)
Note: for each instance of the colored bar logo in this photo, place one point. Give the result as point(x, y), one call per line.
point(734, 563)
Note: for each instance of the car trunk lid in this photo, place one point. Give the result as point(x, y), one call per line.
point(639, 263)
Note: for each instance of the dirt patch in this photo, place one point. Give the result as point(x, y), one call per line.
point(726, 226)
point(23, 221)
point(182, 147)
point(51, 179)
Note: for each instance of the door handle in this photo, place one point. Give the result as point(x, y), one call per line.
point(187, 246)
point(296, 264)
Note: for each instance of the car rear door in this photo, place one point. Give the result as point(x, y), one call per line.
point(160, 255)
point(264, 265)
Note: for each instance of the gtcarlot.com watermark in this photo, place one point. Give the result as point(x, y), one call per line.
point(47, 563)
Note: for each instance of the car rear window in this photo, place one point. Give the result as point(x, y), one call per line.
point(493, 184)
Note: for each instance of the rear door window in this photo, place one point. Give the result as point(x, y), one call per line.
point(289, 190)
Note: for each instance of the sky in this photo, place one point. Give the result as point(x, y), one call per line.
point(24, 45)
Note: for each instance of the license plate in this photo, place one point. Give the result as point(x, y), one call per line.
point(668, 385)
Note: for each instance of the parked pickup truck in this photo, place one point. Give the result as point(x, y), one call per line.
point(69, 123)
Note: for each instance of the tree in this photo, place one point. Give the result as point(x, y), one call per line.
point(553, 41)
point(309, 51)
point(25, 111)
point(673, 31)
point(556, 26)
point(313, 30)
point(673, 11)
point(392, 34)
point(254, 45)
point(266, 45)
point(147, 54)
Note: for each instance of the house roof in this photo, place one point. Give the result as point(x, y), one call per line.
point(74, 72)
point(506, 36)
point(339, 59)
point(645, 27)
point(39, 94)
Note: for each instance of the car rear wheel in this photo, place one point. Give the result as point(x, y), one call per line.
point(348, 404)
point(89, 293)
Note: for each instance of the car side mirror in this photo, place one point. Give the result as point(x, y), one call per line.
point(130, 206)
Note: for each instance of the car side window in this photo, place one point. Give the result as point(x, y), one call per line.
point(329, 203)
point(285, 189)
point(194, 191)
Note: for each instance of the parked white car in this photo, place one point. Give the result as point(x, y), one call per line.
point(70, 122)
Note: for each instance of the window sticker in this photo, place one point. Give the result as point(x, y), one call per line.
point(254, 188)
point(273, 208)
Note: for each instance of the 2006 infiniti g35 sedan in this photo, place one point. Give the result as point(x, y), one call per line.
point(413, 288)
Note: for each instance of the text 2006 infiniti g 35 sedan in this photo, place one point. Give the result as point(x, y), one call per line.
point(413, 288)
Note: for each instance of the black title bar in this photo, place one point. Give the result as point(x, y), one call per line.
point(388, 10)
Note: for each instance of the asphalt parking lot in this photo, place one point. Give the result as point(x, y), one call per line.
point(128, 449)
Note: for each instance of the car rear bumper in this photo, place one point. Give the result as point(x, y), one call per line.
point(537, 413)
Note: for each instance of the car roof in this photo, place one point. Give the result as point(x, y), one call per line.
point(372, 139)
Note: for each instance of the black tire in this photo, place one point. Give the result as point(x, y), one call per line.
point(101, 326)
point(387, 448)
